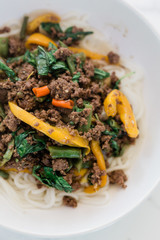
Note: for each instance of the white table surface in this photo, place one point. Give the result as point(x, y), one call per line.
point(143, 223)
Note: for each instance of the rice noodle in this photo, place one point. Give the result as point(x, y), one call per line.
point(21, 188)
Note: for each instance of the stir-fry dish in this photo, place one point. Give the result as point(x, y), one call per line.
point(61, 115)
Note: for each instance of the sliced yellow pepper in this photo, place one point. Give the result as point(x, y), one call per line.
point(48, 17)
point(82, 172)
point(96, 149)
point(89, 54)
point(60, 135)
point(42, 40)
point(39, 39)
point(116, 102)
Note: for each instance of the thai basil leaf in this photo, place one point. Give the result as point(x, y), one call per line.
point(113, 134)
point(24, 148)
point(75, 36)
point(71, 64)
point(42, 62)
point(76, 77)
point(30, 58)
point(47, 27)
point(46, 176)
point(115, 147)
point(113, 124)
point(59, 67)
point(100, 74)
point(87, 164)
point(9, 72)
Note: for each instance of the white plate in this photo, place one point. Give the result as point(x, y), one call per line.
point(134, 37)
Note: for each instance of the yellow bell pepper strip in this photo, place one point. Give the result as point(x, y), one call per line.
point(89, 54)
point(82, 172)
point(38, 39)
point(48, 17)
point(42, 40)
point(96, 149)
point(60, 135)
point(116, 102)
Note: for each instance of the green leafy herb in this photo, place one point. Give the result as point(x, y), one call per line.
point(2, 112)
point(46, 176)
point(9, 72)
point(115, 147)
point(87, 164)
point(64, 152)
point(4, 174)
point(76, 77)
point(30, 58)
point(59, 67)
point(113, 124)
point(75, 36)
point(113, 134)
point(100, 74)
point(24, 148)
point(52, 47)
point(8, 154)
point(62, 44)
point(71, 64)
point(116, 86)
point(47, 27)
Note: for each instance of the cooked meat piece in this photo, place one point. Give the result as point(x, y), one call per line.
point(118, 177)
point(96, 174)
point(16, 46)
point(113, 57)
point(11, 122)
point(69, 201)
point(25, 70)
point(88, 68)
point(62, 53)
point(60, 165)
point(5, 30)
point(3, 95)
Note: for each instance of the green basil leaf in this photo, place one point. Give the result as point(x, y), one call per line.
point(47, 27)
point(76, 77)
point(46, 176)
point(9, 72)
point(100, 74)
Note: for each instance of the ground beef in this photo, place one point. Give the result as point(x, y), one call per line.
point(27, 103)
point(5, 30)
point(105, 143)
point(88, 68)
point(113, 78)
point(80, 117)
point(25, 163)
point(80, 103)
point(60, 165)
point(3, 95)
point(113, 57)
point(62, 53)
point(95, 133)
point(76, 185)
point(11, 122)
point(16, 46)
point(96, 102)
point(25, 70)
point(51, 115)
point(69, 201)
point(95, 175)
point(6, 138)
point(62, 89)
point(84, 81)
point(118, 177)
